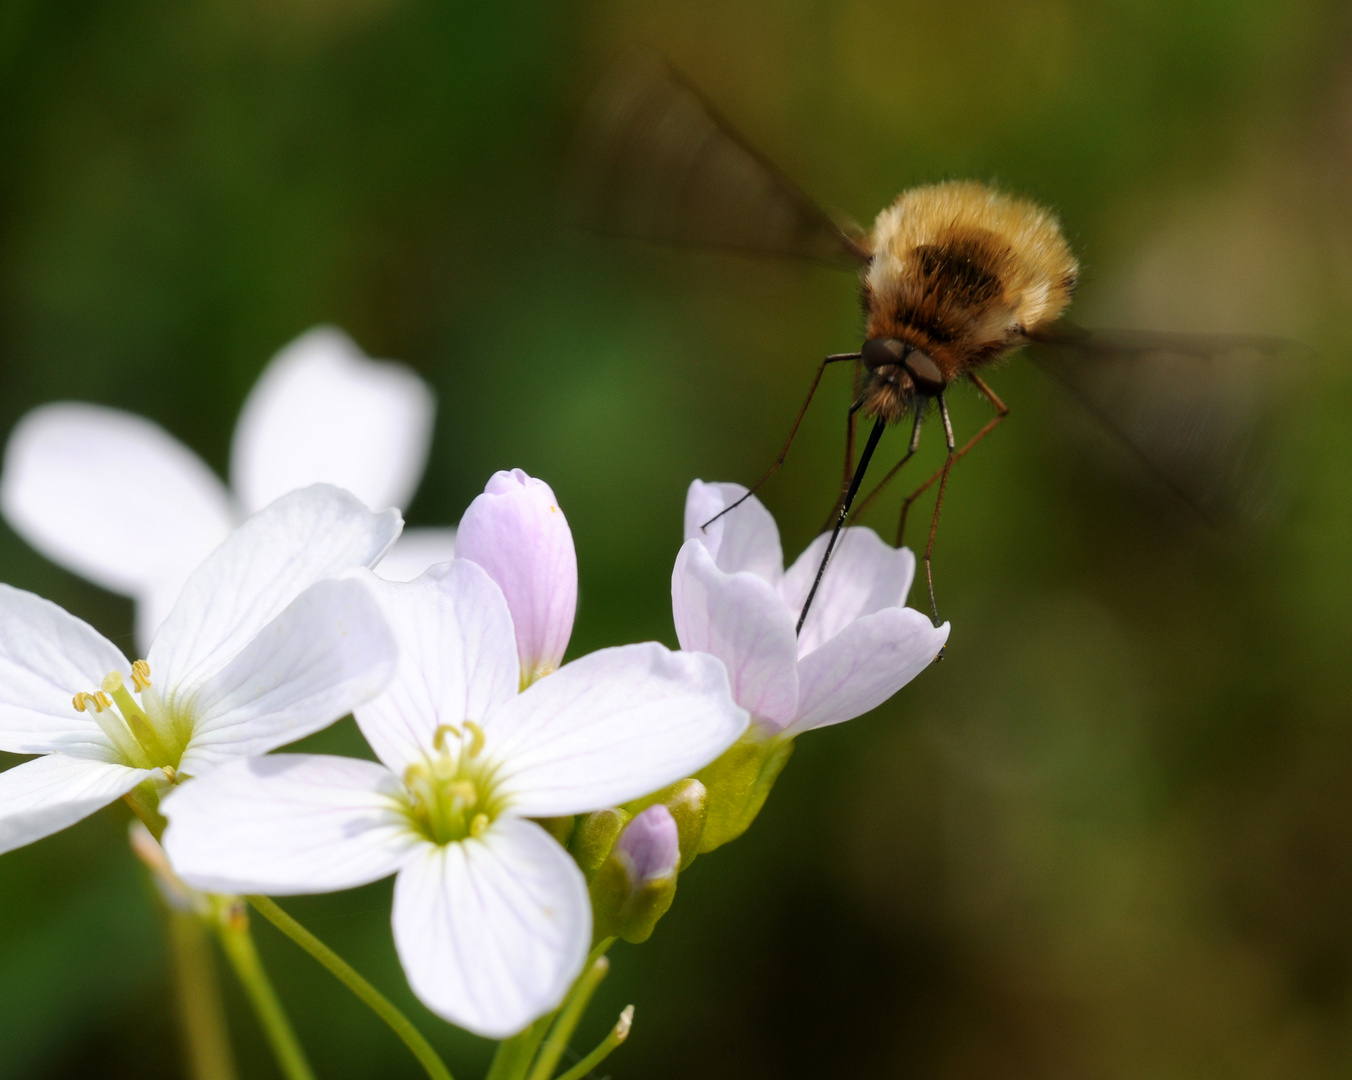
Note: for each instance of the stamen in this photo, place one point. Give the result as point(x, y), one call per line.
point(140, 676)
point(98, 701)
point(479, 825)
point(170, 773)
point(439, 736)
point(138, 723)
point(476, 737)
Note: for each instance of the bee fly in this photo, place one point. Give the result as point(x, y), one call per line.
point(954, 276)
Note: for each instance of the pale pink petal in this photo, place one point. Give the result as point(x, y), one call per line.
point(43, 796)
point(47, 656)
point(323, 413)
point(492, 932)
point(303, 537)
point(516, 531)
point(865, 575)
point(415, 551)
point(614, 725)
point(457, 660)
point(746, 538)
point(651, 844)
point(288, 823)
point(740, 619)
point(111, 495)
point(864, 665)
point(328, 652)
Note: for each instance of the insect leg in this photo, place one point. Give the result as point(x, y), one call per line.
point(910, 452)
point(784, 453)
point(850, 418)
point(938, 505)
point(869, 447)
point(1001, 410)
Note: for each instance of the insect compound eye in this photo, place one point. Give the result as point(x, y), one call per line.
point(925, 373)
point(882, 352)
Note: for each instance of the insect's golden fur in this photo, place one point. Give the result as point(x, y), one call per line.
point(962, 273)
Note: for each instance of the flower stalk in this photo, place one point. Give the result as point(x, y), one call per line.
point(617, 1035)
point(347, 975)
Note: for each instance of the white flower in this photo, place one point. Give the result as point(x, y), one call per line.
point(262, 648)
point(491, 916)
point(732, 598)
point(320, 413)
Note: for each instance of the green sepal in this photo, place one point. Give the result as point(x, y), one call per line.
point(619, 909)
point(593, 837)
point(560, 828)
point(688, 801)
point(738, 784)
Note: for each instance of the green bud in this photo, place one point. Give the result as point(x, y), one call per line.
point(739, 782)
point(688, 802)
point(635, 886)
point(593, 837)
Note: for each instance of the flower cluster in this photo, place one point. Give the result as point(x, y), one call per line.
point(526, 807)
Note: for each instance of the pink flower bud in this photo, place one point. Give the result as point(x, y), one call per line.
point(517, 533)
point(651, 845)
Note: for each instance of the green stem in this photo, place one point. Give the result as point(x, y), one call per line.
point(568, 1019)
point(200, 1011)
point(513, 1056)
point(347, 975)
point(617, 1035)
point(233, 926)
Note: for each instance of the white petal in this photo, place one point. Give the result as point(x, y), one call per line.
point(330, 651)
point(303, 537)
point(865, 575)
point(492, 932)
point(286, 824)
point(415, 551)
point(743, 539)
point(740, 619)
point(153, 605)
point(457, 659)
point(47, 656)
point(864, 665)
point(323, 413)
point(43, 796)
point(111, 495)
point(614, 725)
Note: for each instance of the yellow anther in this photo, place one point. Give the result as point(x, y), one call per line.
point(140, 675)
point(464, 790)
point(98, 701)
point(171, 774)
point(476, 737)
point(479, 825)
point(112, 682)
point(439, 736)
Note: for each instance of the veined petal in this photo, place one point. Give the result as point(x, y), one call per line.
point(516, 531)
point(614, 725)
point(43, 796)
point(740, 619)
point(865, 575)
point(415, 551)
point(492, 931)
point(864, 665)
point(67, 468)
point(743, 539)
point(286, 824)
point(322, 412)
point(457, 660)
point(327, 653)
point(47, 656)
point(304, 537)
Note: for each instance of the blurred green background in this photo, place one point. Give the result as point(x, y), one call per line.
point(1109, 836)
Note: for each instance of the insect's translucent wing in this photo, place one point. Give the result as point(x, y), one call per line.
point(1204, 411)
point(654, 161)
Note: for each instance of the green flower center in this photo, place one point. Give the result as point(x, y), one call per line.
point(148, 733)
point(450, 796)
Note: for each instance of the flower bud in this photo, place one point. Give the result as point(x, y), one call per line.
point(739, 782)
point(593, 837)
point(637, 883)
point(517, 533)
point(688, 803)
